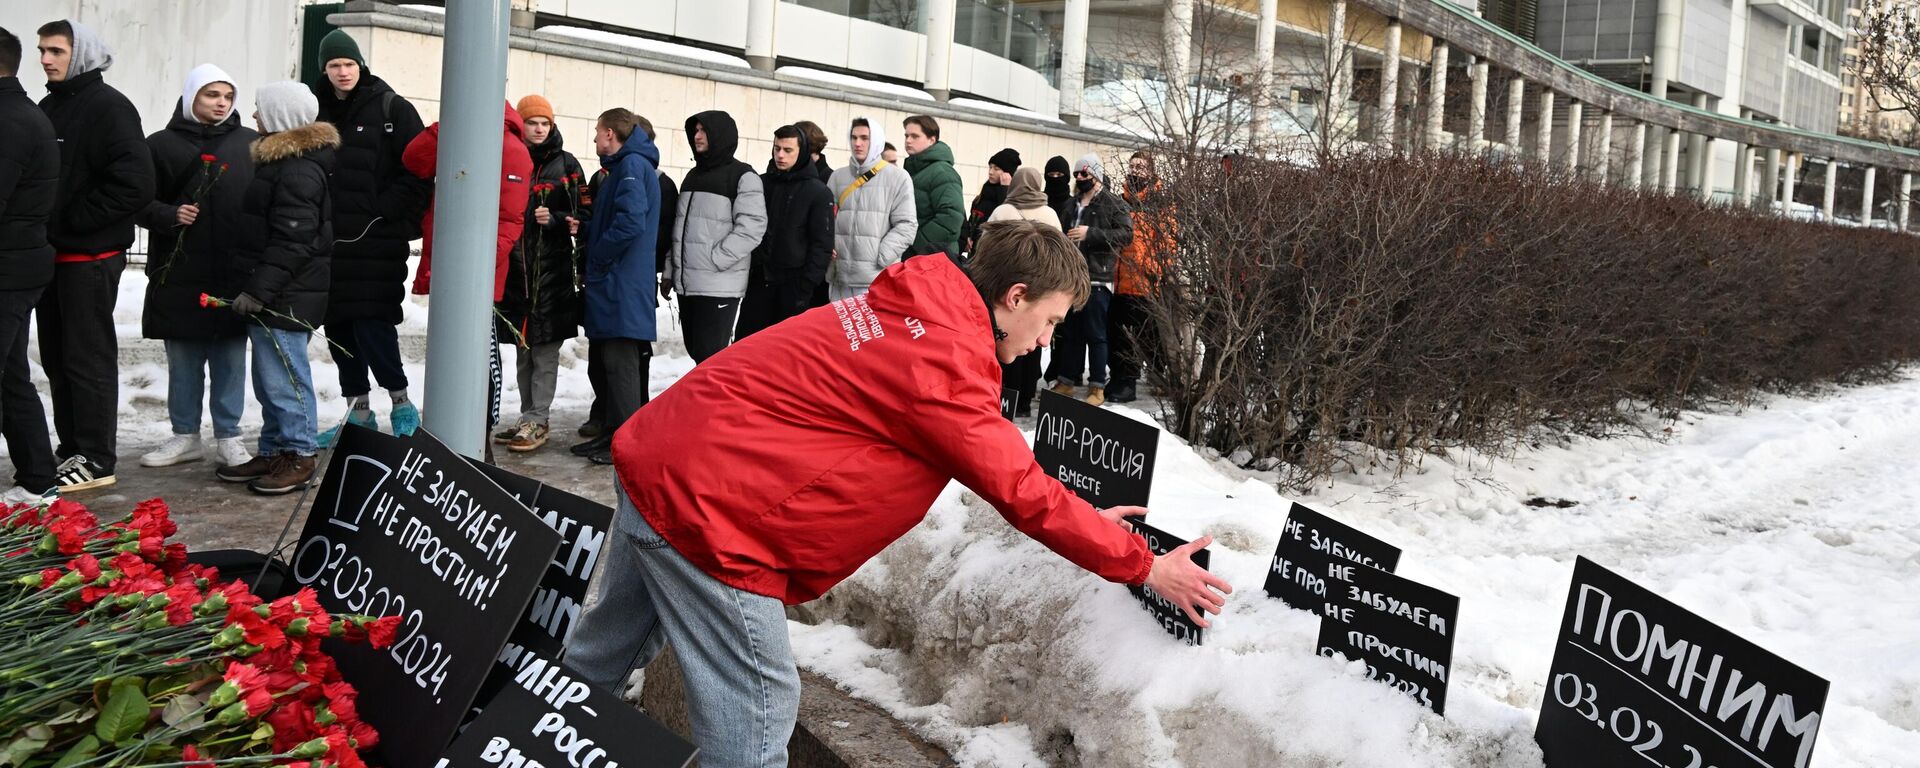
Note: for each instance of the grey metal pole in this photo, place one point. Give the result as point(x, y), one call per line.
point(466, 202)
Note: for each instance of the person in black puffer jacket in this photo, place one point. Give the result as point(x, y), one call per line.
point(201, 167)
point(29, 179)
point(282, 267)
point(541, 304)
point(106, 177)
point(791, 260)
point(380, 206)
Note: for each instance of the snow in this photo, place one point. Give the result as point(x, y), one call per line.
point(988, 106)
point(646, 44)
point(850, 81)
point(1791, 524)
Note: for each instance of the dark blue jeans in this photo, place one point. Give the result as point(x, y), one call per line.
point(1082, 343)
point(360, 346)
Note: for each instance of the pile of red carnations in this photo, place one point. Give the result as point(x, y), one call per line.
point(116, 652)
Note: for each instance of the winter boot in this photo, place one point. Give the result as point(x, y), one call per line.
point(1064, 388)
point(1122, 393)
point(247, 471)
point(405, 419)
point(178, 449)
point(1096, 395)
point(289, 473)
point(358, 418)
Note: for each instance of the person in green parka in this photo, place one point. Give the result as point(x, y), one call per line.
point(937, 195)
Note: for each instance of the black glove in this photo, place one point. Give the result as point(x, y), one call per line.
point(666, 288)
point(245, 305)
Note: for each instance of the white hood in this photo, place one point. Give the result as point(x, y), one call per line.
point(874, 148)
point(90, 52)
point(201, 77)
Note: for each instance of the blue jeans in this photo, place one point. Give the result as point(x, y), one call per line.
point(190, 363)
point(743, 690)
point(1082, 343)
point(283, 382)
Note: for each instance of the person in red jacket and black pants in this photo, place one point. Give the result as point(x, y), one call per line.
point(837, 430)
point(516, 166)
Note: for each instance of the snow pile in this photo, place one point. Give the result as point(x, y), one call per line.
point(850, 81)
point(1793, 526)
point(647, 44)
point(989, 106)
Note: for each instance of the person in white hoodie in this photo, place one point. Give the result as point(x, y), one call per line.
point(201, 169)
point(876, 220)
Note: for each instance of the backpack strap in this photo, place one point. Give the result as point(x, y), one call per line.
point(386, 110)
point(858, 183)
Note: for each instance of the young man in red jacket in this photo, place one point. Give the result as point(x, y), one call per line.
point(780, 465)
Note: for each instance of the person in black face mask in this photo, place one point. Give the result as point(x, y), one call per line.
point(1097, 221)
point(1059, 183)
point(1136, 277)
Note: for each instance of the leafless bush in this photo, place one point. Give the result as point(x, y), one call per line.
point(1402, 303)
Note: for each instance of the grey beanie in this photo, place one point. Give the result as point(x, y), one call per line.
point(1090, 163)
point(284, 106)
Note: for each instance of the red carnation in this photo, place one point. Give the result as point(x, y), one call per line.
point(253, 688)
point(380, 631)
point(190, 755)
point(341, 751)
point(207, 159)
point(48, 576)
point(87, 565)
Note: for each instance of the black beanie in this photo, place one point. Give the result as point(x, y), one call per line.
point(1058, 164)
point(1007, 160)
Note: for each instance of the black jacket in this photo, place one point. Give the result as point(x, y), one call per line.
point(287, 226)
point(106, 175)
point(172, 309)
point(370, 262)
point(823, 169)
point(990, 197)
point(542, 299)
point(799, 239)
point(29, 180)
point(1109, 229)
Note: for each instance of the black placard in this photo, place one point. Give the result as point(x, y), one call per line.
point(1009, 402)
point(549, 716)
point(1636, 678)
point(582, 524)
point(1169, 616)
point(1099, 454)
point(1401, 628)
point(404, 526)
point(1309, 545)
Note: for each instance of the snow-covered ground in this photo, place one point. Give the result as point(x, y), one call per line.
point(1793, 524)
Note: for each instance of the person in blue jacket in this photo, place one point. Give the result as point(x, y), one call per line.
point(621, 275)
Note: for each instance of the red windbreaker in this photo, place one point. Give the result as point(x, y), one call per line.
point(784, 462)
point(422, 157)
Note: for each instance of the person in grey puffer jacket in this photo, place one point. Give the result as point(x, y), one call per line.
point(721, 218)
point(876, 222)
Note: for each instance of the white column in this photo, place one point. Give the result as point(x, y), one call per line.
point(1262, 52)
point(1743, 175)
point(1543, 133)
point(1603, 160)
point(1826, 196)
point(1177, 37)
point(939, 76)
point(1073, 59)
point(1576, 112)
point(1337, 61)
point(1770, 177)
point(1390, 84)
point(1636, 171)
point(1866, 197)
point(1906, 199)
point(1516, 104)
point(1670, 161)
point(760, 33)
point(1699, 150)
point(1437, 95)
point(1789, 175)
point(1706, 170)
point(1477, 110)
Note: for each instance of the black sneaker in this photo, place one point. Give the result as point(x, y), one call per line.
point(505, 435)
point(602, 457)
point(79, 473)
point(590, 429)
point(592, 447)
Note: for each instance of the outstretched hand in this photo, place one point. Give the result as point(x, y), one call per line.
point(1194, 589)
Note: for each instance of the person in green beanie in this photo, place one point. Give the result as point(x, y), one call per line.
point(377, 207)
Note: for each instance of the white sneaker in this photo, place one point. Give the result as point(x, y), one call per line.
point(232, 452)
point(177, 450)
point(20, 495)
